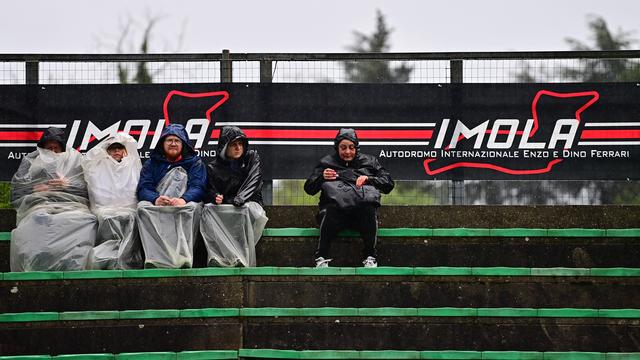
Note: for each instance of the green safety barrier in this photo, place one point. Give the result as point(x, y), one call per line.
point(341, 354)
point(448, 232)
point(318, 312)
point(331, 271)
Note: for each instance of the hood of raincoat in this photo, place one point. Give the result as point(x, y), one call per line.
point(55, 134)
point(179, 131)
point(229, 134)
point(347, 134)
point(129, 143)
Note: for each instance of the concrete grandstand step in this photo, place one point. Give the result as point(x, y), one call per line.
point(476, 329)
point(310, 287)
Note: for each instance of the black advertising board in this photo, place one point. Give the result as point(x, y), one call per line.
point(419, 131)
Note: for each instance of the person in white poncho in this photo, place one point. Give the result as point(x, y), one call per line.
point(112, 170)
point(55, 229)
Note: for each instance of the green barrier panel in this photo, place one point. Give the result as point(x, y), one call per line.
point(512, 355)
point(622, 356)
point(149, 314)
point(151, 273)
point(387, 311)
point(92, 274)
point(329, 271)
point(385, 271)
point(405, 232)
point(615, 272)
point(147, 356)
point(207, 313)
point(574, 356)
point(270, 311)
point(507, 312)
point(518, 232)
point(330, 312)
point(568, 313)
point(291, 232)
point(211, 271)
point(576, 232)
point(29, 317)
point(5, 236)
point(268, 354)
point(635, 232)
point(619, 313)
point(442, 271)
point(206, 355)
point(89, 315)
point(259, 271)
point(33, 275)
point(450, 354)
point(390, 354)
point(560, 272)
point(25, 357)
point(454, 232)
point(447, 312)
point(85, 357)
point(500, 271)
point(328, 354)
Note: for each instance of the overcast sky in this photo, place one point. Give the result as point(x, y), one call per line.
point(83, 26)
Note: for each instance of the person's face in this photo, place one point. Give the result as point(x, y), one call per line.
point(235, 150)
point(172, 146)
point(346, 150)
point(117, 153)
point(53, 146)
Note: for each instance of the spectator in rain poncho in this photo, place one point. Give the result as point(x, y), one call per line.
point(171, 187)
point(55, 229)
point(112, 169)
point(233, 218)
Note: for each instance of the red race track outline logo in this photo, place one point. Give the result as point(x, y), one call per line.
point(534, 111)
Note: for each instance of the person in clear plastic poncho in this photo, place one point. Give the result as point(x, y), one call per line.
point(170, 189)
point(233, 218)
point(55, 229)
point(112, 169)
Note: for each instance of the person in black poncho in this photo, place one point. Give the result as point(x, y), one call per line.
point(351, 183)
point(233, 218)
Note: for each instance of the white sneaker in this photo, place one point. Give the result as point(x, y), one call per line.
point(322, 262)
point(370, 262)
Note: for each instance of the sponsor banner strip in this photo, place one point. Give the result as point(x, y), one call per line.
point(20, 135)
point(612, 124)
point(330, 143)
point(322, 124)
point(596, 143)
point(610, 134)
point(31, 126)
point(330, 134)
point(18, 144)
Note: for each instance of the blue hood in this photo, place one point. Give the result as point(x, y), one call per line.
point(179, 131)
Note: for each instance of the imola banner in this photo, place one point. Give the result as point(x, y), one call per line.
point(421, 131)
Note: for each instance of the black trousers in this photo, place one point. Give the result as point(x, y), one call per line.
point(332, 219)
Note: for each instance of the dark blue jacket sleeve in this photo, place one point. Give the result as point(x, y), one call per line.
point(147, 184)
point(197, 182)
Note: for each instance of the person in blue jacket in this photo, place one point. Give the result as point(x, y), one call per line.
point(173, 150)
point(172, 184)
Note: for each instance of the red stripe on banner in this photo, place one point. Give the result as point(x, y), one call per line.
point(331, 134)
point(610, 134)
point(20, 135)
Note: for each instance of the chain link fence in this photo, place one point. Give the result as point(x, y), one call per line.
point(424, 68)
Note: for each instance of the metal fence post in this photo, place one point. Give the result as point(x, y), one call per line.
point(31, 72)
point(266, 77)
point(226, 67)
point(457, 192)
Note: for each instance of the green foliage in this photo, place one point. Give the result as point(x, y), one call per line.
point(5, 195)
point(375, 71)
point(142, 74)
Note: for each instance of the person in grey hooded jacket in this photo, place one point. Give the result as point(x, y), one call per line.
point(355, 169)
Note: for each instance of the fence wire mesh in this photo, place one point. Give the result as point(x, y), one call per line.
point(503, 68)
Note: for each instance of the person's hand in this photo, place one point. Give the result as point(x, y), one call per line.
point(163, 201)
point(58, 183)
point(237, 201)
point(329, 174)
point(219, 199)
point(361, 180)
point(40, 187)
point(177, 202)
